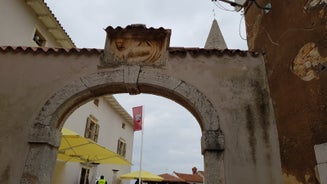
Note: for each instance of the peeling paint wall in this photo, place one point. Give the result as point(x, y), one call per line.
point(308, 63)
point(293, 37)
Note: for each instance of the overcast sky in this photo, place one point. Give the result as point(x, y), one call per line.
point(171, 133)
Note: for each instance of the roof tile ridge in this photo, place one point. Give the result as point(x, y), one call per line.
point(212, 51)
point(50, 49)
point(55, 18)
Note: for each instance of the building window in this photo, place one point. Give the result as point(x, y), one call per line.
point(123, 125)
point(39, 39)
point(121, 147)
point(92, 129)
point(84, 176)
point(96, 102)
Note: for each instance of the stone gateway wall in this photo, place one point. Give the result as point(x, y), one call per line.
point(226, 91)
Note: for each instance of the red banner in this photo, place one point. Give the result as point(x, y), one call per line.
point(137, 118)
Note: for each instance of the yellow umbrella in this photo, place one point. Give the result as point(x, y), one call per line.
point(75, 148)
point(145, 176)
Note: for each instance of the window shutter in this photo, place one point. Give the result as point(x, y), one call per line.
point(87, 128)
point(96, 133)
point(118, 145)
point(124, 149)
point(121, 147)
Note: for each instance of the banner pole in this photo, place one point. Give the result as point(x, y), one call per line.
point(141, 149)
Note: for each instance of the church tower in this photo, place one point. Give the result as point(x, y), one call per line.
point(215, 39)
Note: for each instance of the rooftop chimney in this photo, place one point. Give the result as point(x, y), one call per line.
point(194, 170)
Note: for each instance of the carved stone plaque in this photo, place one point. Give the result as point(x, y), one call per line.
point(135, 44)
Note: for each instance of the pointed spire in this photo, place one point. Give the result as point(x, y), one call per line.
point(215, 39)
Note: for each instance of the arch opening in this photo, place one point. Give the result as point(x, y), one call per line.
point(171, 136)
point(46, 129)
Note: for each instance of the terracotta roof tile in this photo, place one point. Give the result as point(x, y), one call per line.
point(50, 50)
point(190, 177)
point(173, 51)
point(137, 28)
point(182, 52)
point(171, 178)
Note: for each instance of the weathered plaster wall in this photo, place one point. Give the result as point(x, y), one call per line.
point(237, 87)
point(234, 84)
point(294, 38)
point(27, 81)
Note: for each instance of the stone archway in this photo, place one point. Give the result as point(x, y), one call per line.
point(45, 135)
point(239, 146)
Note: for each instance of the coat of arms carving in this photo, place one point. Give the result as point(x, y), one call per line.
point(135, 44)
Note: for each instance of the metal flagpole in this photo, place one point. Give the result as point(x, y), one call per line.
point(141, 149)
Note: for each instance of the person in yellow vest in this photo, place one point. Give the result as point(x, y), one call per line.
point(101, 180)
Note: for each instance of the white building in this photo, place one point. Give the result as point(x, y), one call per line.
point(115, 132)
point(30, 23)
